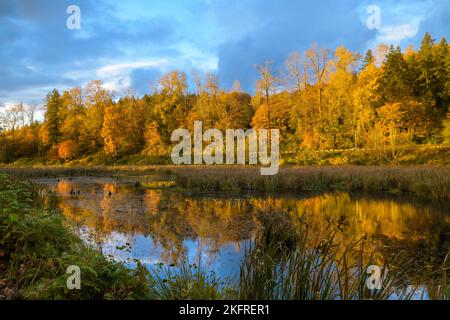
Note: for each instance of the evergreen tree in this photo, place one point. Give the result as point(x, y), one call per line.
point(53, 105)
point(393, 85)
point(368, 59)
point(442, 73)
point(426, 81)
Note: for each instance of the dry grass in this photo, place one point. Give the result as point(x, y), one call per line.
point(431, 182)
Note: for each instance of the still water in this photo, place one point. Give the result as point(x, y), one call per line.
point(129, 223)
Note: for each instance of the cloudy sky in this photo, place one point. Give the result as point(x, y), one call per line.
point(129, 44)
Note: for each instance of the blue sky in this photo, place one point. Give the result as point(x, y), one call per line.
point(129, 44)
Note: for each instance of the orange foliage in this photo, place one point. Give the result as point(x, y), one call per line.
point(68, 150)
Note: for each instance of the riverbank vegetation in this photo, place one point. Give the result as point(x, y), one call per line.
point(332, 107)
point(36, 248)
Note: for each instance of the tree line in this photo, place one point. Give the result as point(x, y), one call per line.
point(320, 100)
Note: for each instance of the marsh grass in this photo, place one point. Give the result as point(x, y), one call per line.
point(62, 171)
point(158, 184)
point(431, 182)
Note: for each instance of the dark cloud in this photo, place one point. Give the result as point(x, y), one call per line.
point(38, 49)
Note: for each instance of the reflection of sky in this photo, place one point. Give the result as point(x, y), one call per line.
point(225, 263)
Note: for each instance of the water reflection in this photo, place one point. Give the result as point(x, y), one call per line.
point(162, 226)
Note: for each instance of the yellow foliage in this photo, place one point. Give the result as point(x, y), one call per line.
point(155, 145)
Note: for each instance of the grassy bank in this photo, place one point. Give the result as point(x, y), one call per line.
point(431, 154)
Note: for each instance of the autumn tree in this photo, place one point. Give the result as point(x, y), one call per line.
point(208, 106)
point(337, 118)
point(365, 98)
point(112, 129)
point(154, 143)
point(124, 126)
point(237, 111)
point(171, 103)
point(97, 100)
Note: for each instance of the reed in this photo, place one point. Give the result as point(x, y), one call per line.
point(189, 281)
point(431, 182)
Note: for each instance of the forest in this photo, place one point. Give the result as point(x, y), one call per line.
point(332, 107)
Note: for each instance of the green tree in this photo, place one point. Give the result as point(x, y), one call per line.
point(368, 59)
point(442, 73)
point(393, 84)
point(53, 106)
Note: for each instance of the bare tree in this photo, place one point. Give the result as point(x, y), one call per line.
point(96, 94)
point(267, 84)
point(197, 80)
point(13, 117)
point(296, 75)
point(30, 112)
point(77, 97)
point(2, 118)
point(297, 78)
point(381, 53)
point(212, 84)
point(319, 63)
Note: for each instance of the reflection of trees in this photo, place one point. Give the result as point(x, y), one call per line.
point(106, 209)
point(214, 222)
point(172, 218)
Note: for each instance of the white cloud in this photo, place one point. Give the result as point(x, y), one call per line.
point(397, 33)
point(117, 77)
point(126, 67)
point(111, 86)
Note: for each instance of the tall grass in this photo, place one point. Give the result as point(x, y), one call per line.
point(432, 182)
point(190, 282)
point(59, 171)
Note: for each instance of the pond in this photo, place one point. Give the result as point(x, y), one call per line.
point(129, 223)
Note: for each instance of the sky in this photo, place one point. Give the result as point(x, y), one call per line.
point(130, 44)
